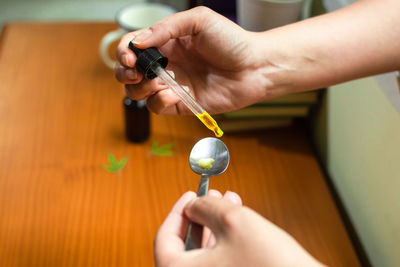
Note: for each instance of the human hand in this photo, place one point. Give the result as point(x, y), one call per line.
point(240, 237)
point(211, 55)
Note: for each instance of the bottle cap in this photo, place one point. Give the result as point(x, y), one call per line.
point(146, 58)
point(132, 104)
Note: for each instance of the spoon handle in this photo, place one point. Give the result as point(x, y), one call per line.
point(203, 186)
point(195, 231)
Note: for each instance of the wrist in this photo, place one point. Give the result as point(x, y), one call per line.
point(283, 68)
point(268, 65)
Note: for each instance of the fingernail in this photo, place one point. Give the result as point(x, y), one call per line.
point(187, 89)
point(126, 61)
point(142, 36)
point(231, 193)
point(131, 74)
point(233, 197)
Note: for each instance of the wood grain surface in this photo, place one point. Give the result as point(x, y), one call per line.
point(61, 113)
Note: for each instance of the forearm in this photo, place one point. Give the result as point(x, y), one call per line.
point(359, 40)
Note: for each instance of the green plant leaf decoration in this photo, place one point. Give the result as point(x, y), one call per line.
point(114, 165)
point(164, 150)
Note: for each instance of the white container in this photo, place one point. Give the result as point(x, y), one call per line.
point(131, 18)
point(262, 15)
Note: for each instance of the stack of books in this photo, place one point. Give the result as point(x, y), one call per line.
point(277, 112)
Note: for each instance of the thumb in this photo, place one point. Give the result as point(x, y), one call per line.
point(217, 214)
point(189, 22)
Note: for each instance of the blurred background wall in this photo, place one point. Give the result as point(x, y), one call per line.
point(357, 135)
point(75, 10)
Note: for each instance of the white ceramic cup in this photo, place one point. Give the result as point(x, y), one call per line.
point(131, 18)
point(262, 15)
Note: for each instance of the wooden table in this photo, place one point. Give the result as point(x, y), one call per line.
point(61, 113)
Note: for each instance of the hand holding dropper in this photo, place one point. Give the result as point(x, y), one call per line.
point(152, 64)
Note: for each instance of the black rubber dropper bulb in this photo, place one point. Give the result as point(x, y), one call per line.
point(146, 58)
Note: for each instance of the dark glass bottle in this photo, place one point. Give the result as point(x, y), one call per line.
point(137, 120)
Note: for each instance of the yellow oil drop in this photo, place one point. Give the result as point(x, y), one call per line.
point(210, 123)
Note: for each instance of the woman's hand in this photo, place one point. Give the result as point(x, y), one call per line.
point(226, 67)
point(207, 53)
point(240, 237)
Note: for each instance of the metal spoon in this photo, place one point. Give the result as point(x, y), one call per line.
point(206, 148)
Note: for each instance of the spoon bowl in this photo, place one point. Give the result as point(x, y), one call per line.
point(209, 148)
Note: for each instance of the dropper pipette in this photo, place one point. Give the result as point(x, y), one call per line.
point(152, 64)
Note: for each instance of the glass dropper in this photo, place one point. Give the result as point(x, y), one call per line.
point(187, 99)
point(152, 64)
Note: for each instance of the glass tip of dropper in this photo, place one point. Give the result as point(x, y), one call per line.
point(210, 123)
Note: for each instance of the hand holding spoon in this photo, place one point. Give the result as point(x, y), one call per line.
point(209, 157)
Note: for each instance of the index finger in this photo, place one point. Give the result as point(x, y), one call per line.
point(169, 239)
point(124, 55)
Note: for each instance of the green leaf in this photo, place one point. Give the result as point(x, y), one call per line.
point(164, 150)
point(112, 159)
point(114, 165)
point(166, 146)
point(154, 146)
point(122, 162)
point(110, 168)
